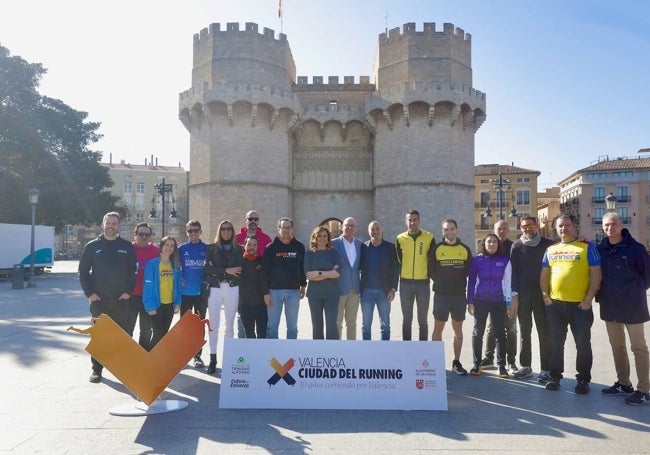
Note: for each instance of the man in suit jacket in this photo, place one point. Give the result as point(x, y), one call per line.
point(349, 248)
point(379, 278)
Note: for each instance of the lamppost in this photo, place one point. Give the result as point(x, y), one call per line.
point(33, 200)
point(610, 202)
point(162, 189)
point(499, 185)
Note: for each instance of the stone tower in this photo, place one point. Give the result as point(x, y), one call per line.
point(238, 112)
point(260, 138)
point(424, 115)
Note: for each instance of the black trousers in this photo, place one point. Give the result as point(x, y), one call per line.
point(255, 319)
point(120, 311)
point(199, 305)
point(138, 312)
point(161, 322)
point(497, 311)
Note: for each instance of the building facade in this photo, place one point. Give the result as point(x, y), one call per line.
point(504, 192)
point(261, 138)
point(140, 188)
point(583, 194)
point(548, 207)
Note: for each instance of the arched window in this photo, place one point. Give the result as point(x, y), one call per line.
point(334, 225)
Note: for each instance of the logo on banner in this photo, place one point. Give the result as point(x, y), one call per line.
point(282, 372)
point(241, 366)
point(425, 376)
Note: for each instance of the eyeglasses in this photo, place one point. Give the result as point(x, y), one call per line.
point(253, 219)
point(226, 228)
point(144, 234)
point(193, 231)
point(527, 226)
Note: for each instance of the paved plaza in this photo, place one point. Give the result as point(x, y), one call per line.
point(48, 406)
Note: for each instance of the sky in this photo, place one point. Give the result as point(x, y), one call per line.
point(566, 81)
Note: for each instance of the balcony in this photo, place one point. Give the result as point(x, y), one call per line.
point(598, 199)
point(623, 199)
point(626, 219)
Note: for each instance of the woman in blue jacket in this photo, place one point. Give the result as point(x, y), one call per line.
point(488, 290)
point(161, 293)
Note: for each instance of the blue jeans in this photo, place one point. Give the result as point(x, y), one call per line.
point(418, 290)
point(560, 315)
point(370, 297)
point(291, 300)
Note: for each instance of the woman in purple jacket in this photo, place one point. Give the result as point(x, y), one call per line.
point(489, 292)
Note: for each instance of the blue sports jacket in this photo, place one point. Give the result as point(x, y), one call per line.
point(151, 286)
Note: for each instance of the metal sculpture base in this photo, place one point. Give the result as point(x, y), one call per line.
point(139, 408)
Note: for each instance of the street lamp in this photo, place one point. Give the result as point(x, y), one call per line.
point(610, 202)
point(162, 189)
point(499, 185)
point(33, 200)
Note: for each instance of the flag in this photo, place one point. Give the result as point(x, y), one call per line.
point(279, 8)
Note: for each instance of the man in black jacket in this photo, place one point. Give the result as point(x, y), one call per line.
point(107, 272)
point(526, 260)
point(624, 305)
point(283, 262)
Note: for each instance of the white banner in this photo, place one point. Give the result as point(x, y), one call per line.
point(332, 374)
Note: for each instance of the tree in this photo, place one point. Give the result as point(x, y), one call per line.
point(44, 144)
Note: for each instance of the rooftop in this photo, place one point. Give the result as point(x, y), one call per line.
point(495, 169)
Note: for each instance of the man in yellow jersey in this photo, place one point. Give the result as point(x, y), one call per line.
point(569, 280)
point(449, 265)
point(412, 249)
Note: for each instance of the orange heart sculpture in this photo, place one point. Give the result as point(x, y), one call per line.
point(146, 374)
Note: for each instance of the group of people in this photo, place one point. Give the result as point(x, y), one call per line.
point(254, 278)
point(555, 283)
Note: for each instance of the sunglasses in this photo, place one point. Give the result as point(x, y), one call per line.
point(144, 234)
point(193, 231)
point(253, 219)
point(226, 228)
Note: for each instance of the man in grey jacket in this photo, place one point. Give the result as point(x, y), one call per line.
point(349, 248)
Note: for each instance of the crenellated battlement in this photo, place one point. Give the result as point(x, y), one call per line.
point(232, 28)
point(429, 29)
point(421, 90)
point(232, 88)
point(333, 80)
point(427, 55)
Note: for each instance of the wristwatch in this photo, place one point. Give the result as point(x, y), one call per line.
point(514, 293)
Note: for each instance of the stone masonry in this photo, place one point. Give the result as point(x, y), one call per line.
point(261, 138)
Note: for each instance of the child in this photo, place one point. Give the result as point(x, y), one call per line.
point(162, 289)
